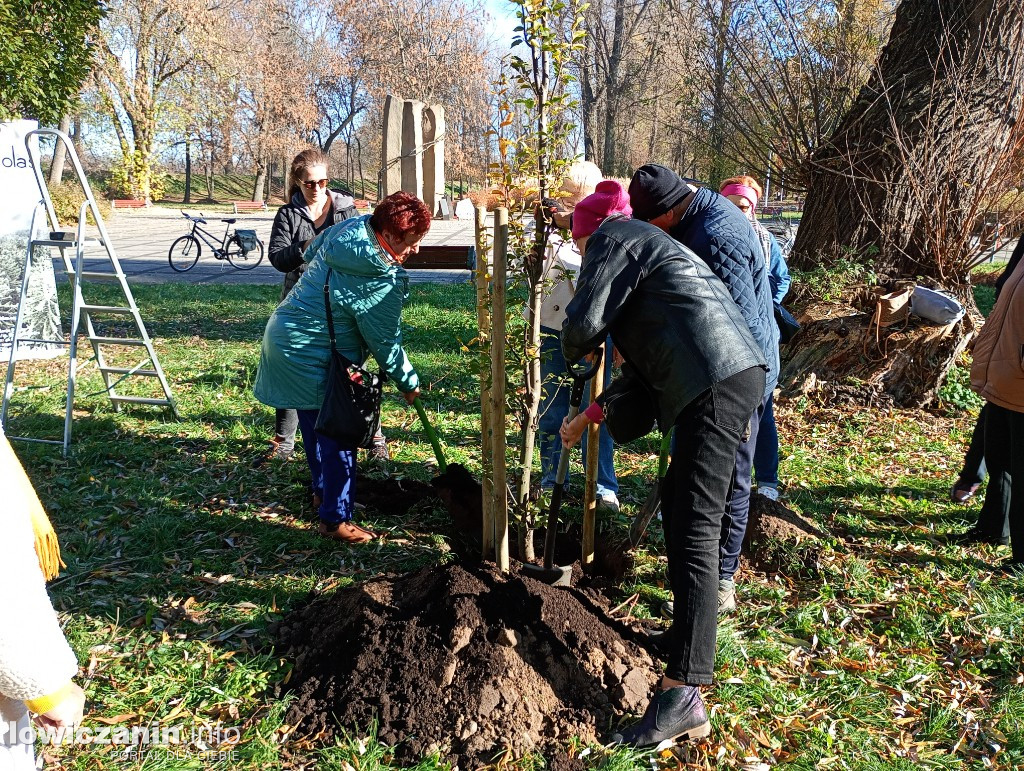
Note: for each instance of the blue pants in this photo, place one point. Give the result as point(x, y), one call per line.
point(766, 451)
point(737, 510)
point(332, 468)
point(554, 405)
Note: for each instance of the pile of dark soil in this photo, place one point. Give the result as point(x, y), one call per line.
point(779, 539)
point(463, 661)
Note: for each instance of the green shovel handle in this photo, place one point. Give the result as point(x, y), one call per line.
point(442, 464)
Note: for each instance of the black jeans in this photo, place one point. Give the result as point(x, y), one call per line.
point(973, 471)
point(1003, 511)
point(737, 510)
point(693, 505)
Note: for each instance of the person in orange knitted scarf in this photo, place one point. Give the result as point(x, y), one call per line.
point(36, 663)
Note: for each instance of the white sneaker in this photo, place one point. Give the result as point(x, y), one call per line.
point(608, 503)
point(771, 493)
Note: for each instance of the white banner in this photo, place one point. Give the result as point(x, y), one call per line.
point(19, 197)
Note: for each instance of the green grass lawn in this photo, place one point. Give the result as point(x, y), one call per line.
point(895, 651)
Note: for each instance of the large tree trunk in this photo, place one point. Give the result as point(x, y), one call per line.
point(901, 184)
point(261, 180)
point(716, 140)
point(613, 91)
point(933, 122)
point(188, 172)
point(588, 102)
point(60, 152)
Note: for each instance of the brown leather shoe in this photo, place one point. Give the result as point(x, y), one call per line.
point(275, 453)
point(346, 532)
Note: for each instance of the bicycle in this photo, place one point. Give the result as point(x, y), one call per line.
point(241, 248)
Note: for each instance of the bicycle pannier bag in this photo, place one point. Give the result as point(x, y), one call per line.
point(247, 240)
point(350, 412)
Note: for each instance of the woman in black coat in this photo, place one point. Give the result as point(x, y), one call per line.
point(693, 361)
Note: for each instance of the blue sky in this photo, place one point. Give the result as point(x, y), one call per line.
point(504, 19)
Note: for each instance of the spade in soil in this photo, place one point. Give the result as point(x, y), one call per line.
point(550, 573)
point(459, 490)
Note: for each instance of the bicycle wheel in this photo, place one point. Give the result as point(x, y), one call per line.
point(184, 253)
point(242, 259)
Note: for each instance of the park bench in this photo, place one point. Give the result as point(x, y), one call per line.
point(362, 203)
point(442, 257)
point(128, 203)
point(241, 206)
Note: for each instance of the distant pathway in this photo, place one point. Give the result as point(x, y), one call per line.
point(141, 240)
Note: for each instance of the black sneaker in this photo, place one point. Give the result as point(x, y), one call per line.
point(977, 535)
point(659, 640)
point(673, 714)
point(1011, 567)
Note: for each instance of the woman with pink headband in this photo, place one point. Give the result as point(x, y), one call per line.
point(745, 192)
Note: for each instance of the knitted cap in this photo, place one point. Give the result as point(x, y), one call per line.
point(609, 198)
point(654, 190)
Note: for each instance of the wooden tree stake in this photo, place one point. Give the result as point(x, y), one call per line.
point(483, 319)
point(499, 480)
point(593, 454)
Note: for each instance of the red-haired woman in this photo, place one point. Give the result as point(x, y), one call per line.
point(311, 209)
point(363, 258)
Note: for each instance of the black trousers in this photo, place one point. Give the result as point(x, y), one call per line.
point(1003, 510)
point(974, 470)
point(697, 484)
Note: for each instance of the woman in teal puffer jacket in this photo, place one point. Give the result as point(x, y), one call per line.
point(368, 288)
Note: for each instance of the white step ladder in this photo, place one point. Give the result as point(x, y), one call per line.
point(94, 315)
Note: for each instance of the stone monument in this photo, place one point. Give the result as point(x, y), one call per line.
point(433, 156)
point(412, 150)
point(391, 147)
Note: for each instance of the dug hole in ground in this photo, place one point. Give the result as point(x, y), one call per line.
point(461, 660)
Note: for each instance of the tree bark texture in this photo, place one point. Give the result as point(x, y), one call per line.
point(898, 189)
point(60, 152)
point(260, 187)
point(838, 349)
point(927, 128)
point(716, 140)
point(188, 172)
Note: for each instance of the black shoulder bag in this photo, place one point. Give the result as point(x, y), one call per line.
point(350, 413)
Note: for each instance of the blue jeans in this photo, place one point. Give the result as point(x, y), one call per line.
point(332, 468)
point(554, 405)
point(766, 451)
